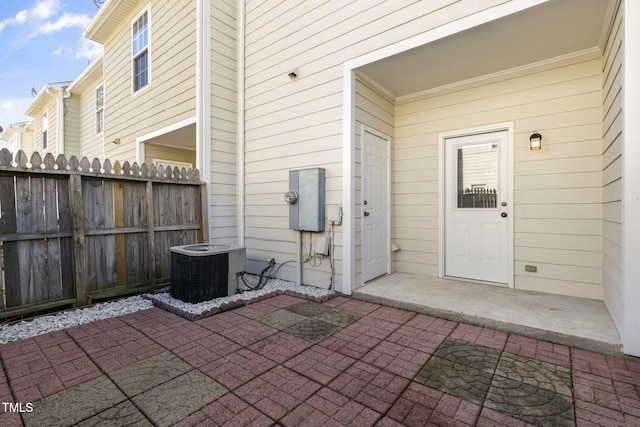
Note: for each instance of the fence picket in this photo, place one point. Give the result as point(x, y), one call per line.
point(52, 245)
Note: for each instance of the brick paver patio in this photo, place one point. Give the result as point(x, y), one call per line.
point(289, 361)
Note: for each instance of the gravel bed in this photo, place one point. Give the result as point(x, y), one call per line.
point(272, 288)
point(66, 319)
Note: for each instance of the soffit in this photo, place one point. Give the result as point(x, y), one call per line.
point(184, 137)
point(110, 16)
point(550, 30)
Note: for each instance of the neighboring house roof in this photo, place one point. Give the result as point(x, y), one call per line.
point(108, 19)
point(41, 99)
point(12, 129)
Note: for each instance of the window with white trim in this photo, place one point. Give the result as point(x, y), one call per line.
point(140, 51)
point(45, 130)
point(100, 109)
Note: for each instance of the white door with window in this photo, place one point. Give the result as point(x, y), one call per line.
point(477, 207)
point(375, 210)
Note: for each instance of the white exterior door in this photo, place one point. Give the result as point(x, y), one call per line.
point(477, 207)
point(375, 211)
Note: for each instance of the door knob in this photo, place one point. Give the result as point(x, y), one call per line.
point(503, 214)
point(366, 213)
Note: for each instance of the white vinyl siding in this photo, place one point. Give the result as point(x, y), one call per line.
point(171, 97)
point(91, 142)
point(298, 124)
point(169, 156)
point(612, 173)
point(72, 137)
point(46, 128)
point(27, 139)
point(557, 190)
point(224, 122)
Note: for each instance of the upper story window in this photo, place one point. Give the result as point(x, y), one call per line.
point(45, 130)
point(140, 51)
point(100, 109)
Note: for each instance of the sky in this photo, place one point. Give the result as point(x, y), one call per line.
point(40, 43)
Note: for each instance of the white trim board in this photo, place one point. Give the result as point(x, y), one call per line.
point(631, 176)
point(166, 129)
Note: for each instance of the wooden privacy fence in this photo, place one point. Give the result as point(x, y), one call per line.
point(74, 231)
point(478, 198)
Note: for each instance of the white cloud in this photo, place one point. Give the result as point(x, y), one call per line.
point(65, 21)
point(45, 9)
point(42, 18)
point(12, 109)
point(21, 17)
point(88, 49)
point(40, 11)
point(61, 51)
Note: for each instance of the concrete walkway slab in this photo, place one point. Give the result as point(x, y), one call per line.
point(578, 322)
point(275, 362)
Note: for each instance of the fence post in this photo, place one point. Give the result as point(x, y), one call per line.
point(77, 227)
point(151, 245)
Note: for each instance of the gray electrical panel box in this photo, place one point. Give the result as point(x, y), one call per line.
point(306, 199)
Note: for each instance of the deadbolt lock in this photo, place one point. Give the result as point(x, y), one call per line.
point(504, 203)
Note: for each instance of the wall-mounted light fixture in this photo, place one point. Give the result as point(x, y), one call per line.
point(116, 141)
point(293, 74)
point(535, 141)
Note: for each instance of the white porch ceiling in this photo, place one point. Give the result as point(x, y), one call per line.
point(550, 30)
point(184, 138)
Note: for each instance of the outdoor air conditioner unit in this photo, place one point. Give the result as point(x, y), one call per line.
point(205, 271)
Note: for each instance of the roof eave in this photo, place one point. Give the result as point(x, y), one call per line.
point(37, 103)
point(97, 30)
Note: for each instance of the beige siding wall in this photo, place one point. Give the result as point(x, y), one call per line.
point(557, 194)
point(298, 124)
point(91, 141)
point(52, 129)
point(21, 140)
point(170, 96)
point(155, 152)
point(72, 137)
point(224, 122)
point(612, 172)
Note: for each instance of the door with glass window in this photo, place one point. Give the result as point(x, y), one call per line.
point(477, 200)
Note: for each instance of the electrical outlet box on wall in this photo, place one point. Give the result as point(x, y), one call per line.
point(322, 245)
point(334, 215)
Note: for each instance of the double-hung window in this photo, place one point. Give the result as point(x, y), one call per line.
point(140, 51)
point(99, 109)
